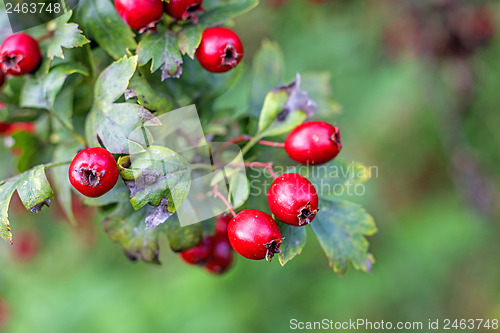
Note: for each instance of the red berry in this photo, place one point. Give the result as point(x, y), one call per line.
point(220, 50)
point(293, 199)
point(184, 9)
point(254, 235)
point(221, 258)
point(140, 15)
point(8, 129)
point(313, 142)
point(221, 225)
point(93, 172)
point(20, 54)
point(199, 254)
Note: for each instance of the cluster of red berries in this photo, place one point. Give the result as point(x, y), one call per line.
point(220, 49)
point(253, 234)
point(19, 55)
point(292, 198)
point(214, 252)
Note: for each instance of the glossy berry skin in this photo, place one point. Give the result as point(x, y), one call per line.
point(184, 9)
point(220, 50)
point(140, 15)
point(293, 199)
point(313, 143)
point(19, 54)
point(199, 254)
point(254, 235)
point(93, 172)
point(221, 258)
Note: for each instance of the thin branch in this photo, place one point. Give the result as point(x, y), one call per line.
point(219, 195)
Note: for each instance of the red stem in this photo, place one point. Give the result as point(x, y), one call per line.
point(246, 137)
point(224, 200)
point(48, 35)
point(268, 166)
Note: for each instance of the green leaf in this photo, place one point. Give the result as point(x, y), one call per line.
point(115, 122)
point(41, 91)
point(63, 153)
point(273, 105)
point(100, 19)
point(127, 227)
point(285, 108)
point(227, 11)
point(163, 51)
point(293, 242)
point(66, 35)
point(162, 173)
point(149, 96)
point(341, 227)
point(190, 39)
point(182, 238)
point(34, 191)
point(267, 73)
point(6, 192)
point(335, 176)
point(114, 80)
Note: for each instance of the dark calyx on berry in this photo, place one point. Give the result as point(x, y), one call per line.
point(230, 56)
point(307, 214)
point(11, 62)
point(193, 12)
point(336, 137)
point(90, 177)
point(273, 247)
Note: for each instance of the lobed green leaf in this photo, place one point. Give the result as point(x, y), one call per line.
point(341, 227)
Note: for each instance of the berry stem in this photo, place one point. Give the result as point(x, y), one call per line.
point(224, 200)
point(252, 141)
point(268, 166)
point(246, 137)
point(48, 35)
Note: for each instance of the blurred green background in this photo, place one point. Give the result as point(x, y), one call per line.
point(434, 140)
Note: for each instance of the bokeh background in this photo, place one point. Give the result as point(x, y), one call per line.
point(418, 82)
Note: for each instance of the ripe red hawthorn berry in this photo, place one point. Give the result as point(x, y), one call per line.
point(221, 257)
point(199, 254)
point(184, 9)
point(93, 172)
point(19, 54)
point(293, 199)
point(140, 15)
point(313, 142)
point(220, 50)
point(254, 235)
